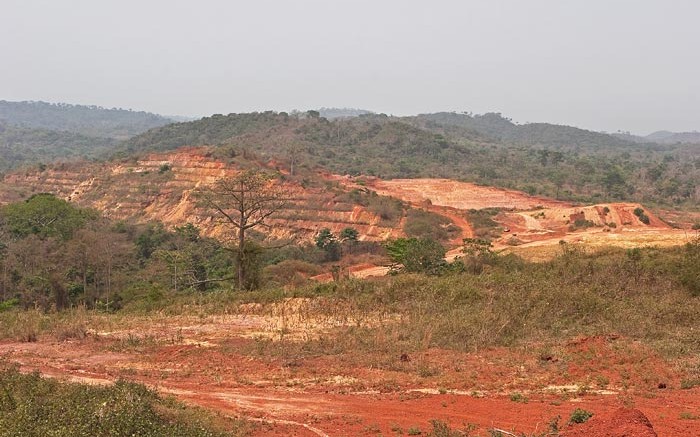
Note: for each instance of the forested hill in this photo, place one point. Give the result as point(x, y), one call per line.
point(21, 146)
point(663, 137)
point(499, 128)
point(91, 121)
point(556, 161)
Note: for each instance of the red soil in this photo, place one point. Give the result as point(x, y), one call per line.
point(458, 195)
point(213, 363)
point(623, 422)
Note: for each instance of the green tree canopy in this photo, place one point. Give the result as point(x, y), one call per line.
point(44, 215)
point(416, 255)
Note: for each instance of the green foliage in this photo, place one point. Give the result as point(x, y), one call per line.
point(581, 223)
point(687, 384)
point(8, 304)
point(59, 256)
point(689, 267)
point(349, 234)
point(44, 215)
point(519, 397)
point(327, 241)
point(34, 406)
point(416, 255)
point(153, 236)
point(580, 416)
point(639, 212)
point(324, 238)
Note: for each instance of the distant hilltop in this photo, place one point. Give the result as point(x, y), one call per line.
point(92, 121)
point(662, 137)
point(332, 113)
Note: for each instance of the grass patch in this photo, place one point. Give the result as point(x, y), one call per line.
point(33, 405)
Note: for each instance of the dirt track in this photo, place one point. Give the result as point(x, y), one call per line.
point(209, 362)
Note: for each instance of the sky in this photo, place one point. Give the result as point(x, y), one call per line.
point(630, 65)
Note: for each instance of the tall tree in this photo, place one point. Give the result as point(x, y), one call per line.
point(244, 202)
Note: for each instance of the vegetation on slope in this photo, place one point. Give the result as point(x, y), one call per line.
point(550, 160)
point(20, 146)
point(56, 256)
point(92, 121)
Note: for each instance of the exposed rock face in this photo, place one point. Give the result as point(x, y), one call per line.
point(160, 187)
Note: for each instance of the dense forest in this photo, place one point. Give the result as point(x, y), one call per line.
point(556, 161)
point(91, 121)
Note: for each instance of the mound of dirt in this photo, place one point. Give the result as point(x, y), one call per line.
point(625, 422)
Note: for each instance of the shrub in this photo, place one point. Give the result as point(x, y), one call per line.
point(424, 224)
point(32, 405)
point(581, 223)
point(580, 416)
point(639, 212)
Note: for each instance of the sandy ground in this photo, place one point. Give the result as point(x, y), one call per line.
point(211, 362)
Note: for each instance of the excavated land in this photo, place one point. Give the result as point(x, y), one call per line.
point(160, 187)
point(533, 226)
point(458, 195)
point(241, 364)
point(246, 362)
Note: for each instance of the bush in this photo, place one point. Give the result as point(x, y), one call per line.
point(580, 416)
point(32, 405)
point(639, 212)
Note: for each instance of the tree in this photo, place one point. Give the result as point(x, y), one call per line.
point(349, 234)
point(416, 255)
point(244, 202)
point(44, 215)
point(327, 241)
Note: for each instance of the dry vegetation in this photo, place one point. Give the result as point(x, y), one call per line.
point(633, 310)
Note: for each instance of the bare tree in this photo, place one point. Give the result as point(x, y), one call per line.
point(244, 202)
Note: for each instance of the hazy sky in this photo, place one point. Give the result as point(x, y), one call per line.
point(598, 64)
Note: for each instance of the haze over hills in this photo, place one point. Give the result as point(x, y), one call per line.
point(41, 132)
point(21, 146)
point(662, 137)
point(331, 113)
point(92, 121)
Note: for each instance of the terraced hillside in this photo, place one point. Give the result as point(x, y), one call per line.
point(160, 185)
